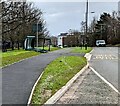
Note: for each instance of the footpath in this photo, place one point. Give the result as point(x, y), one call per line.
point(87, 89)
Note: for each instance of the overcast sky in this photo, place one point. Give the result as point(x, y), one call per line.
point(62, 16)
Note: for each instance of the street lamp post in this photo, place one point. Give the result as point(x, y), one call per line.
point(37, 35)
point(86, 18)
point(86, 21)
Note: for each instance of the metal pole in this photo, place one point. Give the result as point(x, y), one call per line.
point(86, 17)
point(37, 36)
point(86, 23)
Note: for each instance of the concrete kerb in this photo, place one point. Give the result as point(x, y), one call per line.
point(31, 94)
point(60, 92)
point(88, 55)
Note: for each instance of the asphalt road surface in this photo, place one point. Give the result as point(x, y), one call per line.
point(105, 61)
point(18, 79)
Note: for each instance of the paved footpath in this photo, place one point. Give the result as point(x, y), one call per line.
point(89, 89)
point(18, 79)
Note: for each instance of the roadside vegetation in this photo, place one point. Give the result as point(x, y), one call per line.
point(81, 50)
point(15, 56)
point(56, 75)
point(10, 57)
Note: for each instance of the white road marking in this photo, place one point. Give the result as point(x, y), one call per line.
point(107, 82)
point(107, 57)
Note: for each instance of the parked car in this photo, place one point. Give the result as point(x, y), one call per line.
point(100, 43)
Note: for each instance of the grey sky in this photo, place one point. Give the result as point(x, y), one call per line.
point(62, 16)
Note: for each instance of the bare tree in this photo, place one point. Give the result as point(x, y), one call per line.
point(18, 19)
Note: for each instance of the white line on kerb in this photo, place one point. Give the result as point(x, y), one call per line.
point(31, 94)
point(105, 80)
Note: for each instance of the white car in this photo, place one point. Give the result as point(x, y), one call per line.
point(100, 43)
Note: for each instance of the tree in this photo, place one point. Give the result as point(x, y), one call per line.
point(92, 31)
point(17, 21)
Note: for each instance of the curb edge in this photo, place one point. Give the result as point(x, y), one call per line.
point(60, 92)
point(33, 88)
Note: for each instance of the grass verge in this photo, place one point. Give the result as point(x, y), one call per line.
point(10, 57)
point(56, 75)
point(81, 50)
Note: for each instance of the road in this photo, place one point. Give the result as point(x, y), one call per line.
point(105, 61)
point(18, 79)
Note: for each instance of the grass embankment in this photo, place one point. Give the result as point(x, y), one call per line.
point(17, 55)
point(81, 50)
point(56, 75)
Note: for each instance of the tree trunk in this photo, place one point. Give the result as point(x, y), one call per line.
point(12, 45)
point(18, 45)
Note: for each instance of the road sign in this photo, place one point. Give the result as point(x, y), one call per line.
point(37, 27)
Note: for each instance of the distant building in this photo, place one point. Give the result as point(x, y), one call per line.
point(61, 39)
point(69, 39)
point(119, 9)
point(73, 40)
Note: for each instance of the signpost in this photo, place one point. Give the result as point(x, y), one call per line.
point(37, 28)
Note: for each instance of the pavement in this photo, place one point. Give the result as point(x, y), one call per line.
point(89, 89)
point(95, 89)
point(19, 78)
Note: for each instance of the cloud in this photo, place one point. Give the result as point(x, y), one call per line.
point(54, 15)
point(61, 16)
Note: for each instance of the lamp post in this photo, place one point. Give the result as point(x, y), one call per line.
point(86, 18)
point(86, 25)
point(37, 35)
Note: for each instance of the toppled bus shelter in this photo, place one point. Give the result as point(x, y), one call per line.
point(29, 44)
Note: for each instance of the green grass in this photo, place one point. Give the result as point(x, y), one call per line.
point(13, 53)
point(79, 50)
point(15, 56)
point(10, 57)
point(117, 45)
point(56, 75)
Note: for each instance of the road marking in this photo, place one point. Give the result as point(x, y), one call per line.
point(107, 82)
point(107, 57)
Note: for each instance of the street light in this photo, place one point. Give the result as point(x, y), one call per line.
point(37, 34)
point(86, 21)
